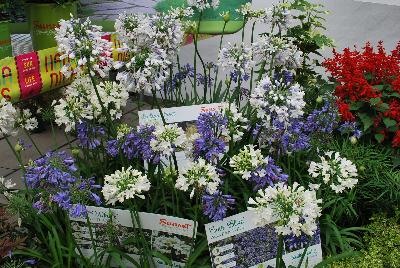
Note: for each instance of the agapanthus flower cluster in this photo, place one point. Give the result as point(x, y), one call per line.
point(12, 119)
point(337, 172)
point(216, 205)
point(153, 41)
point(200, 176)
point(251, 165)
point(81, 103)
point(261, 15)
point(293, 209)
point(237, 124)
point(89, 136)
point(125, 184)
point(134, 144)
point(55, 179)
point(279, 52)
point(207, 142)
point(6, 184)
point(324, 120)
point(83, 42)
point(203, 4)
point(351, 129)
point(168, 138)
point(236, 58)
point(8, 116)
point(277, 100)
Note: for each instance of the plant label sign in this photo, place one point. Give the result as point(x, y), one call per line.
point(170, 236)
point(184, 116)
point(237, 241)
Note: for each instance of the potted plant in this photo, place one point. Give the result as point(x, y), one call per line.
point(5, 36)
point(43, 17)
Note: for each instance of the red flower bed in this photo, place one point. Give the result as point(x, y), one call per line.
point(368, 89)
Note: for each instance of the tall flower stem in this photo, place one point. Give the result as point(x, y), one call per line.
point(197, 52)
point(164, 123)
point(278, 262)
point(103, 109)
point(303, 255)
point(33, 142)
point(252, 58)
point(220, 46)
point(19, 159)
point(53, 136)
point(137, 224)
point(195, 219)
point(92, 238)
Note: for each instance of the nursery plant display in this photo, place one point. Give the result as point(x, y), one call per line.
point(250, 161)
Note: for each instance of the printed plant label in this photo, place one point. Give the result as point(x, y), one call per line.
point(170, 236)
point(238, 242)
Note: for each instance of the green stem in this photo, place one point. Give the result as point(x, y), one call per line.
point(92, 238)
point(136, 223)
point(18, 157)
point(220, 46)
point(53, 136)
point(278, 262)
point(33, 142)
point(103, 109)
point(195, 219)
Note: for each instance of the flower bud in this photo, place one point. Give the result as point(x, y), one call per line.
point(75, 152)
point(353, 140)
point(362, 168)
point(319, 99)
point(226, 16)
point(227, 82)
point(18, 148)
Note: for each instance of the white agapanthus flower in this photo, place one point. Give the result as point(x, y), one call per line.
point(7, 184)
point(336, 171)
point(168, 138)
point(246, 161)
point(203, 4)
point(199, 176)
point(145, 72)
point(123, 130)
point(293, 210)
point(260, 15)
point(181, 12)
point(82, 41)
point(167, 245)
point(12, 119)
point(153, 41)
point(81, 102)
point(237, 123)
point(278, 51)
point(26, 120)
point(125, 184)
point(279, 100)
point(8, 117)
point(236, 58)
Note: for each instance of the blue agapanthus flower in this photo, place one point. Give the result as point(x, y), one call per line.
point(211, 124)
point(216, 206)
point(267, 174)
point(135, 144)
point(208, 148)
point(55, 180)
point(351, 129)
point(88, 136)
point(323, 120)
